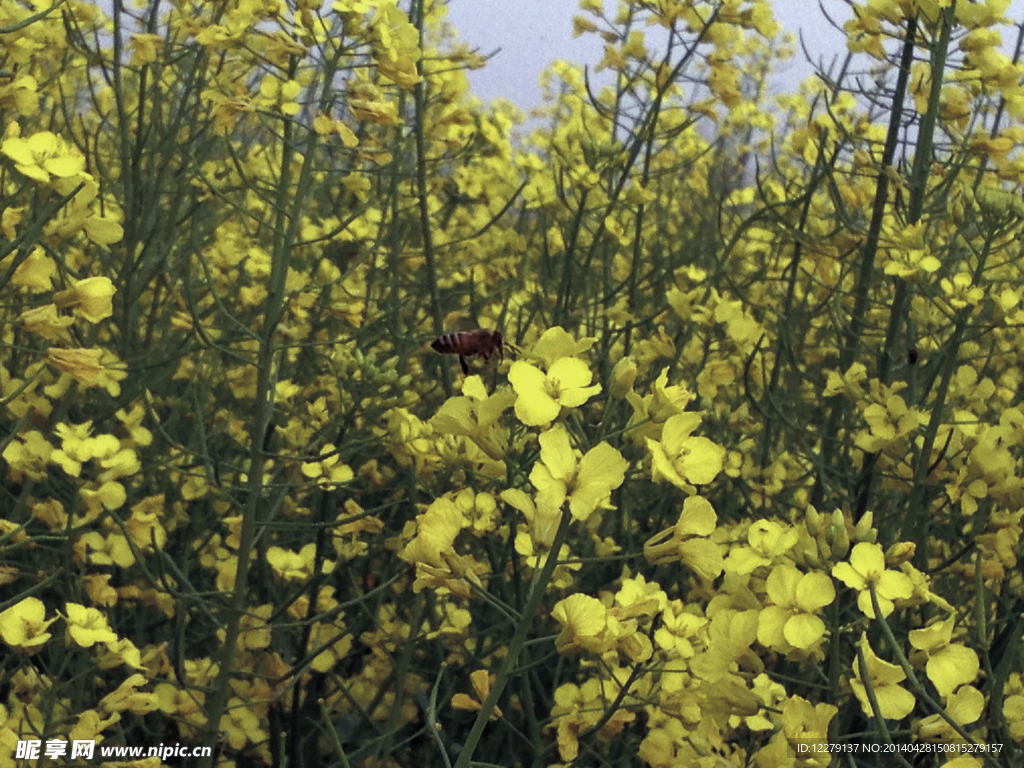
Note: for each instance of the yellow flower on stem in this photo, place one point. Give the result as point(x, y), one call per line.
point(46, 157)
point(436, 531)
point(23, 625)
point(77, 447)
point(46, 322)
point(894, 702)
point(686, 541)
point(475, 415)
point(543, 521)
point(866, 567)
point(585, 625)
point(329, 471)
point(84, 366)
point(792, 620)
point(950, 664)
point(555, 344)
point(542, 396)
point(587, 484)
point(482, 682)
point(681, 458)
point(92, 298)
point(293, 567)
point(128, 698)
point(87, 626)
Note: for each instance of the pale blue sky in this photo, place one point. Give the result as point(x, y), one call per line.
point(532, 33)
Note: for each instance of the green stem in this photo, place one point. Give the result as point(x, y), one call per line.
point(538, 587)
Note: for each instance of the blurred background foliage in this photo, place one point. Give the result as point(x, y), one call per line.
point(761, 389)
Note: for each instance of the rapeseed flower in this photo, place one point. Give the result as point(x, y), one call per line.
point(85, 367)
point(792, 618)
point(556, 343)
point(894, 702)
point(543, 520)
point(45, 322)
point(542, 396)
point(587, 484)
point(78, 447)
point(436, 531)
point(46, 157)
point(329, 471)
point(687, 540)
point(683, 631)
point(23, 625)
point(482, 682)
point(769, 541)
point(36, 272)
point(127, 698)
point(949, 664)
point(585, 625)
point(681, 458)
point(866, 568)
point(964, 706)
point(294, 567)
point(475, 415)
point(87, 626)
point(92, 298)
point(28, 456)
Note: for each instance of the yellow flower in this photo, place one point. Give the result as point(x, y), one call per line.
point(792, 618)
point(682, 459)
point(132, 421)
point(330, 470)
point(35, 272)
point(78, 447)
point(45, 156)
point(87, 626)
point(964, 707)
point(127, 698)
point(543, 522)
point(27, 456)
point(555, 344)
point(84, 366)
point(584, 621)
point(92, 298)
point(292, 567)
point(542, 396)
point(436, 530)
point(622, 377)
point(950, 664)
point(46, 322)
point(587, 485)
point(475, 415)
point(333, 643)
point(112, 550)
point(687, 542)
point(769, 542)
point(482, 683)
point(867, 566)
point(23, 625)
point(680, 630)
point(894, 702)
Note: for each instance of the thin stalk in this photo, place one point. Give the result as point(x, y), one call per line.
point(538, 587)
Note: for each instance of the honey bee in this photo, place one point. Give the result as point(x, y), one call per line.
point(470, 344)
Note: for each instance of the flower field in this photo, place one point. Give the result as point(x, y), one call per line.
point(348, 420)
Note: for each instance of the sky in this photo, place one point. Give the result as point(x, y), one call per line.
point(532, 33)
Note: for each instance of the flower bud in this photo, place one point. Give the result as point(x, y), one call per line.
point(864, 531)
point(622, 378)
point(840, 538)
point(899, 553)
point(812, 519)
